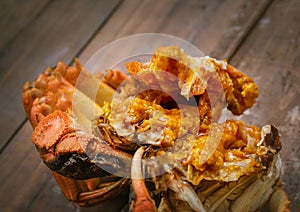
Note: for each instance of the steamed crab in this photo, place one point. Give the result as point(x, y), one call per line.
point(155, 145)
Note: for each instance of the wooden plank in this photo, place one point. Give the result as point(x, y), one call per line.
point(214, 27)
point(132, 17)
point(58, 34)
point(15, 16)
point(271, 54)
point(23, 175)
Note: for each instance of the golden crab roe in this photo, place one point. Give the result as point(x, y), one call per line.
point(234, 156)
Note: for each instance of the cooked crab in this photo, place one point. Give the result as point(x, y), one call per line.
point(63, 145)
point(174, 153)
point(210, 81)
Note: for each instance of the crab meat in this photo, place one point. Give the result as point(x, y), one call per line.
point(197, 75)
point(96, 147)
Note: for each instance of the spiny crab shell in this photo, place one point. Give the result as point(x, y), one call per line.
point(244, 159)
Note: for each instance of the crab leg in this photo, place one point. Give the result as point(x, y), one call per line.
point(68, 186)
point(103, 193)
point(91, 86)
point(143, 201)
point(76, 191)
point(186, 193)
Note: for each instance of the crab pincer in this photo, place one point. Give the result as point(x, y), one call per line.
point(143, 201)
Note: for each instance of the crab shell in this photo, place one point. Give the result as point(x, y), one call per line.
point(70, 153)
point(62, 145)
point(74, 154)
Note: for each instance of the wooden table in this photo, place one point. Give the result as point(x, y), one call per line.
point(260, 37)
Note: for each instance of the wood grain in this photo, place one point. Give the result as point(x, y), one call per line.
point(16, 16)
point(215, 27)
point(57, 34)
point(260, 37)
point(23, 173)
point(271, 55)
point(180, 18)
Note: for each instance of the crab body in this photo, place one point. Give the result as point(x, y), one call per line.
point(173, 154)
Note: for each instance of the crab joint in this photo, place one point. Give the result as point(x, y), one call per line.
point(143, 201)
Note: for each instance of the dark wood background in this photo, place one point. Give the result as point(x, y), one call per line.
point(260, 37)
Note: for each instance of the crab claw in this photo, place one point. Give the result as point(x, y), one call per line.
point(143, 201)
point(72, 153)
